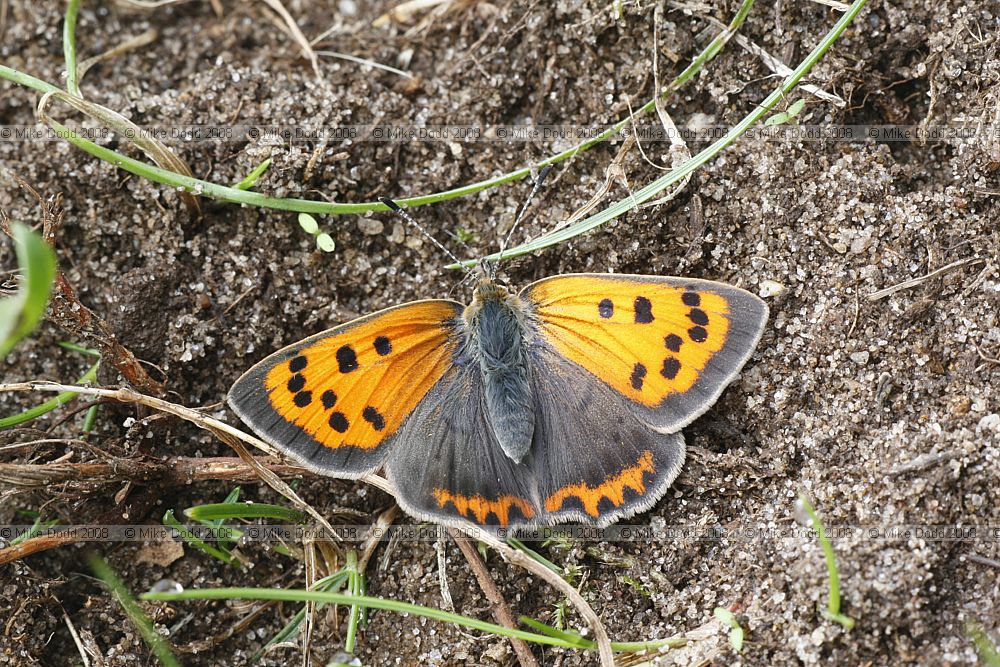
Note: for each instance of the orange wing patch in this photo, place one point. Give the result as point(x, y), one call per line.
point(646, 339)
point(357, 384)
point(481, 507)
point(612, 488)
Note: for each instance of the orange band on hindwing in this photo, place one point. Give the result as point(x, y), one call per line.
point(478, 508)
point(612, 488)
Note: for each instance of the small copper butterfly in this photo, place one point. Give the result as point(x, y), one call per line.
point(563, 402)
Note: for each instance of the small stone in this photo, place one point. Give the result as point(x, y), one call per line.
point(860, 357)
point(770, 288)
point(990, 422)
point(370, 226)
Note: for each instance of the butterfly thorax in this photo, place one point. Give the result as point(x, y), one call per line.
point(498, 333)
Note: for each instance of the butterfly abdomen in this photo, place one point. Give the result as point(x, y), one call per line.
point(497, 340)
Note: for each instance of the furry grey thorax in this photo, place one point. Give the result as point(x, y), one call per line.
point(498, 336)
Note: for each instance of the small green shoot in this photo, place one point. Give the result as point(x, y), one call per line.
point(463, 235)
point(559, 614)
point(224, 554)
point(519, 545)
point(52, 403)
point(788, 115)
point(325, 242)
point(735, 629)
point(309, 225)
point(159, 646)
point(20, 314)
point(232, 510)
point(254, 176)
point(985, 648)
point(636, 585)
point(832, 611)
point(36, 528)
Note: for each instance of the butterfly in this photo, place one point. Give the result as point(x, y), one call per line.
point(563, 402)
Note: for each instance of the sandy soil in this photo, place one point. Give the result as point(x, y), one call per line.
point(844, 394)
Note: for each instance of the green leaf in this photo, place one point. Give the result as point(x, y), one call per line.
point(736, 638)
point(254, 176)
point(325, 242)
point(308, 223)
point(787, 115)
point(20, 314)
point(726, 616)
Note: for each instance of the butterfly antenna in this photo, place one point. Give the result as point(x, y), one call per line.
point(520, 216)
point(393, 206)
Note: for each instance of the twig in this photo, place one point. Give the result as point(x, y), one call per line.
point(501, 612)
point(680, 153)
point(922, 462)
point(983, 560)
point(442, 562)
point(66, 310)
point(129, 45)
point(139, 506)
point(175, 471)
point(293, 31)
point(913, 282)
point(76, 640)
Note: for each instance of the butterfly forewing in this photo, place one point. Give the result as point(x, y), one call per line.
point(668, 345)
point(335, 400)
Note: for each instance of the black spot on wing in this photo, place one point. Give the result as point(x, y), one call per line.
point(297, 364)
point(698, 316)
point(698, 334)
point(383, 346)
point(670, 368)
point(638, 375)
point(329, 399)
point(606, 308)
point(373, 417)
point(347, 360)
point(296, 383)
point(643, 310)
point(338, 422)
point(673, 342)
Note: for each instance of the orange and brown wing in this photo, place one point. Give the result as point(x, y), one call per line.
point(668, 345)
point(335, 400)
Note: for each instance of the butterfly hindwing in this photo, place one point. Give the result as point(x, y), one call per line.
point(667, 345)
point(336, 400)
point(594, 459)
point(448, 466)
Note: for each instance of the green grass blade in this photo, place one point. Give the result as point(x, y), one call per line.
point(224, 511)
point(69, 47)
point(347, 600)
point(832, 611)
point(159, 646)
point(186, 535)
point(239, 196)
point(254, 176)
point(51, 404)
point(20, 314)
point(676, 175)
